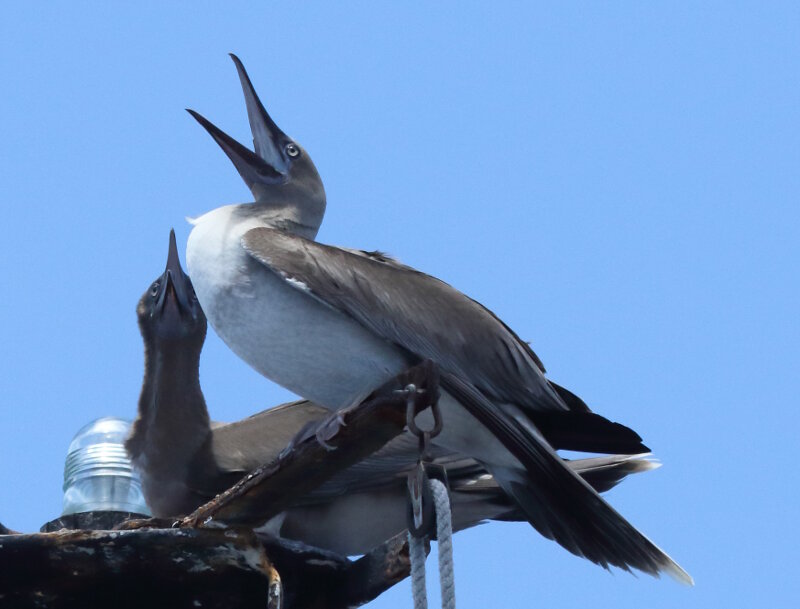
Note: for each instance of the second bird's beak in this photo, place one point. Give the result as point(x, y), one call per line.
point(174, 283)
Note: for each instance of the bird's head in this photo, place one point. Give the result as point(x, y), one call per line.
point(280, 173)
point(168, 311)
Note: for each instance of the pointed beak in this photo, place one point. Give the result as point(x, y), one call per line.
point(174, 283)
point(268, 164)
point(267, 136)
point(173, 261)
point(250, 166)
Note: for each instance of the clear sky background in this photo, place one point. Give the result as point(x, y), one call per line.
point(618, 183)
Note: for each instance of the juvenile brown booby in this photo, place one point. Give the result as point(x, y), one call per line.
point(184, 459)
point(331, 325)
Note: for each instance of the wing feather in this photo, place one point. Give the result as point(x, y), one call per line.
point(419, 313)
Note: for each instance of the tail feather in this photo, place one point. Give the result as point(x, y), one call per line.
point(604, 473)
point(587, 432)
point(556, 501)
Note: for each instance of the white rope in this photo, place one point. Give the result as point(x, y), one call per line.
point(444, 535)
point(416, 550)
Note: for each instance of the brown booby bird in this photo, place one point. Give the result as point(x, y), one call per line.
point(331, 325)
point(184, 459)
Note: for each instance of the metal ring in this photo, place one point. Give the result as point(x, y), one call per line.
point(410, 391)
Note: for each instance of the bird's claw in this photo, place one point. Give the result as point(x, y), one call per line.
point(323, 443)
point(329, 429)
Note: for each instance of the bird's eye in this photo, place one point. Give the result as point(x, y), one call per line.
point(154, 289)
point(292, 150)
point(194, 295)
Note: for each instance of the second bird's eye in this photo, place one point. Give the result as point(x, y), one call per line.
point(292, 150)
point(154, 289)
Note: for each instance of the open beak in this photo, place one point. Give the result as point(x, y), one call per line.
point(268, 164)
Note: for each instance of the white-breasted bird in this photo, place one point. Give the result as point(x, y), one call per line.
point(332, 324)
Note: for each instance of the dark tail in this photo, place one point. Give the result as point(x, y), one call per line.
point(581, 429)
point(556, 501)
point(587, 432)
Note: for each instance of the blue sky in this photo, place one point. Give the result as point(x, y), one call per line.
point(618, 183)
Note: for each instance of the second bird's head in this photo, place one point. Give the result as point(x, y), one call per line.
point(168, 312)
point(280, 173)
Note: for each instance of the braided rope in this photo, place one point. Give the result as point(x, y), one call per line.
point(416, 552)
point(416, 549)
point(444, 534)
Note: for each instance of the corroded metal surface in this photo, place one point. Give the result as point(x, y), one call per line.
point(144, 568)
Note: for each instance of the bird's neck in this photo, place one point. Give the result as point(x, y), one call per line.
point(291, 218)
point(173, 420)
point(297, 207)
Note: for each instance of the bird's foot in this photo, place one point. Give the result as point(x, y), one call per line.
point(329, 429)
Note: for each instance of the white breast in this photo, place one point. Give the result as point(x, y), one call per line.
point(280, 331)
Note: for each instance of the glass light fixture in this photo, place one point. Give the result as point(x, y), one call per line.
point(98, 474)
